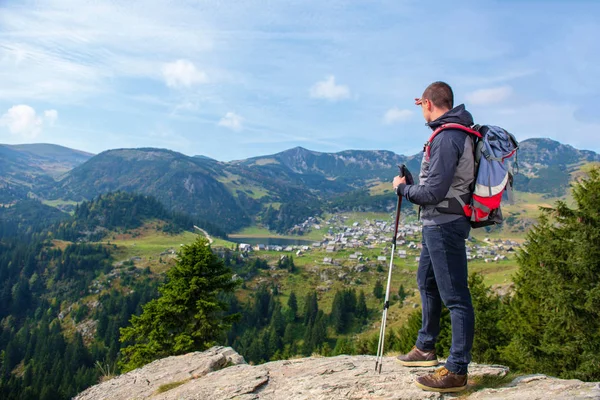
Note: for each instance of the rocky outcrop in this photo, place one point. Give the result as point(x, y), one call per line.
point(220, 373)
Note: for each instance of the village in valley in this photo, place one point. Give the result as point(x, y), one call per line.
point(345, 241)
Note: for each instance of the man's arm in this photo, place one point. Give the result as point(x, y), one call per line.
point(444, 155)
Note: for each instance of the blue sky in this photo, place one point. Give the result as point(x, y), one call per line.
point(231, 80)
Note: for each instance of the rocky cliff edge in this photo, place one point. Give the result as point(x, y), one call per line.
point(221, 373)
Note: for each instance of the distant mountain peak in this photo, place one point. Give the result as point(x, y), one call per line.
point(299, 150)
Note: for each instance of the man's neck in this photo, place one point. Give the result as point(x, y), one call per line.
point(437, 113)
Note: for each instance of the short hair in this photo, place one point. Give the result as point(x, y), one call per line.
point(440, 94)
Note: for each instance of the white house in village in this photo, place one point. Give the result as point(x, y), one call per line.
point(245, 247)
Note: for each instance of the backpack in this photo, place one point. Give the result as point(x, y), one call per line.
point(492, 146)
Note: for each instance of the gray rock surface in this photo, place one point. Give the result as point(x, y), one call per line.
point(144, 382)
point(220, 373)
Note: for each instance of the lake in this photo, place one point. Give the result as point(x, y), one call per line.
point(273, 241)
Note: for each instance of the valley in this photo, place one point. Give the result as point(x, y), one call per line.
point(306, 235)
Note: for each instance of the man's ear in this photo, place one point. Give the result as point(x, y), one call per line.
point(428, 105)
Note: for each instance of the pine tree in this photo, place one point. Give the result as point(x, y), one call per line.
point(350, 300)
point(187, 316)
point(319, 331)
point(378, 290)
point(337, 313)
point(554, 316)
point(292, 304)
point(401, 293)
point(489, 312)
point(274, 342)
point(311, 308)
point(307, 345)
point(325, 350)
point(277, 321)
point(288, 335)
point(343, 346)
point(291, 267)
point(362, 312)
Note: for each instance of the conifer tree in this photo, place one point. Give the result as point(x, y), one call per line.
point(307, 345)
point(274, 342)
point(187, 316)
point(343, 346)
point(554, 317)
point(288, 335)
point(319, 331)
point(378, 290)
point(338, 319)
point(277, 321)
point(311, 308)
point(325, 350)
point(401, 293)
point(292, 304)
point(361, 307)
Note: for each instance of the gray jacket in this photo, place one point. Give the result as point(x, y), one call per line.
point(446, 177)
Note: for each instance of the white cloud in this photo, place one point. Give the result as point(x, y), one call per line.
point(485, 97)
point(396, 114)
point(23, 121)
point(183, 74)
point(329, 90)
point(51, 116)
point(232, 121)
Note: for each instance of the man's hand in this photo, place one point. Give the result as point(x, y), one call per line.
point(397, 181)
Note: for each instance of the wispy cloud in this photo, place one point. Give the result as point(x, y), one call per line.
point(232, 121)
point(23, 121)
point(57, 54)
point(483, 97)
point(395, 114)
point(329, 90)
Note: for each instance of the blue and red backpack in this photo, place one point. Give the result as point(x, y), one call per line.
point(493, 146)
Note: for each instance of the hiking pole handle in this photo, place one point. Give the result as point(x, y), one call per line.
point(405, 173)
point(403, 170)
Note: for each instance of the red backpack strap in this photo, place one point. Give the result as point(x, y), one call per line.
point(448, 126)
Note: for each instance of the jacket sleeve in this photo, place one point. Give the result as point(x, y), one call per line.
point(444, 155)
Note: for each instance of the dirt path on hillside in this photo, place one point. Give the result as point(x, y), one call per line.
point(210, 240)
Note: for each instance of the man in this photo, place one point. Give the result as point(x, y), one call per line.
point(447, 172)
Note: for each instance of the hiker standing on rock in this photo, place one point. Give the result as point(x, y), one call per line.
point(447, 172)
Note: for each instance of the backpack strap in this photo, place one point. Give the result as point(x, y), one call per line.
point(448, 126)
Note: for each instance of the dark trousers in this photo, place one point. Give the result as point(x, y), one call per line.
point(442, 277)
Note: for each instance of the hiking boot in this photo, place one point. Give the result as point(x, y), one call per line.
point(442, 381)
point(418, 358)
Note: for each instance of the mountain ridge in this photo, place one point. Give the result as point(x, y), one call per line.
point(234, 194)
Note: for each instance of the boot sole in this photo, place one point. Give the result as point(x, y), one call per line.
point(431, 363)
point(441, 390)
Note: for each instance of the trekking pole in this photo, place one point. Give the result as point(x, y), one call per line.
point(386, 303)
